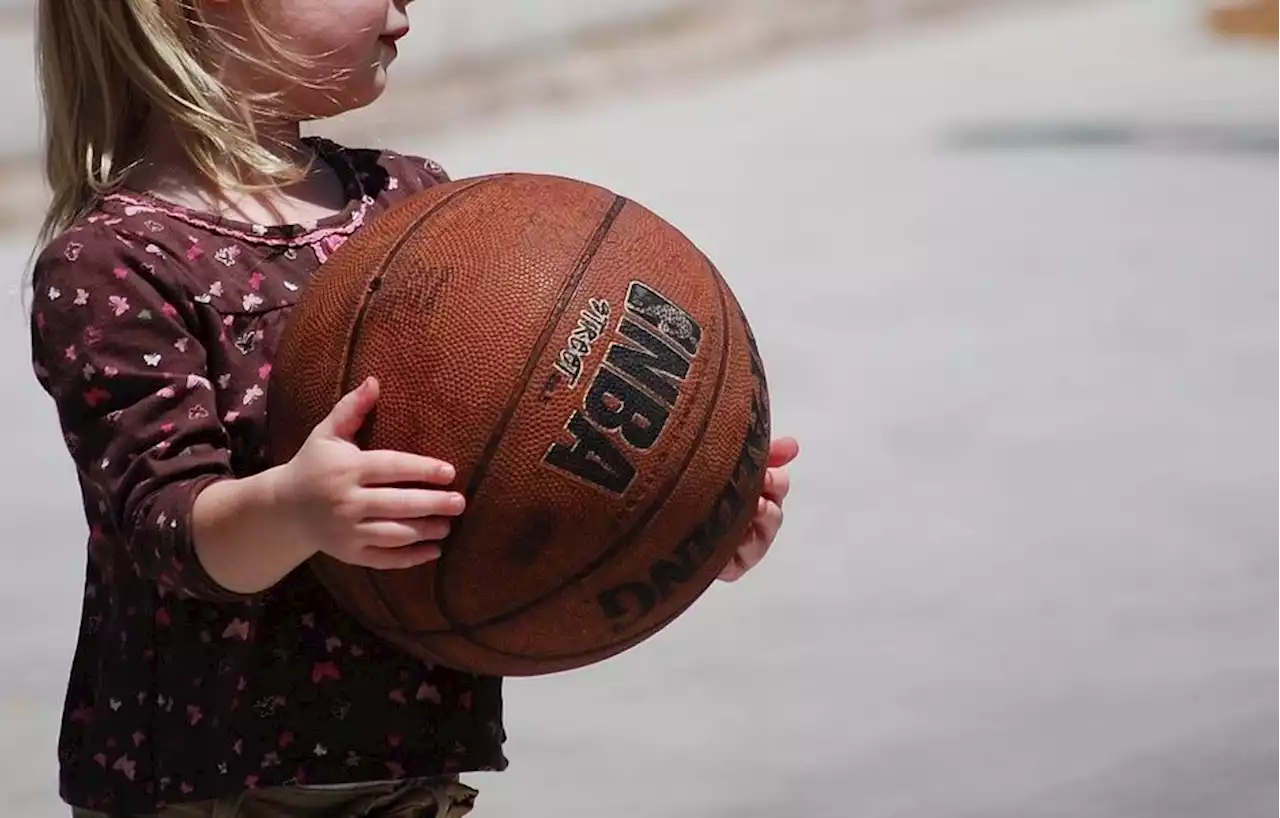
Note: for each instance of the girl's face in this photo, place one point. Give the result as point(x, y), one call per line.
point(348, 45)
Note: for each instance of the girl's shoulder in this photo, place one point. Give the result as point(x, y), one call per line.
point(95, 243)
point(112, 242)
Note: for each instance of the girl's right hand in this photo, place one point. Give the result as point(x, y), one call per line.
point(352, 504)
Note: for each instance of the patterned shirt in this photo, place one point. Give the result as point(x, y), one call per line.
point(153, 330)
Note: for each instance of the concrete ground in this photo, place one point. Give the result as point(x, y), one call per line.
point(1015, 281)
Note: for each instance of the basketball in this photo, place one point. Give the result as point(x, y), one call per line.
point(592, 378)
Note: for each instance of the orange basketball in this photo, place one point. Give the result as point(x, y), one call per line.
point(594, 381)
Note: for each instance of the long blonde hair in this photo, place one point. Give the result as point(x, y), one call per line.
point(109, 68)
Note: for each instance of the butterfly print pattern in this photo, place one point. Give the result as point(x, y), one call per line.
point(153, 330)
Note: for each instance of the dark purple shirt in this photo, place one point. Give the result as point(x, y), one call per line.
point(153, 330)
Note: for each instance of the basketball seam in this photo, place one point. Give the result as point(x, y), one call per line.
point(371, 288)
point(568, 291)
point(468, 633)
point(371, 574)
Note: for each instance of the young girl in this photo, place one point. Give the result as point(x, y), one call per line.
point(211, 676)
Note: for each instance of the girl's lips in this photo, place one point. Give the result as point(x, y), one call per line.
point(389, 40)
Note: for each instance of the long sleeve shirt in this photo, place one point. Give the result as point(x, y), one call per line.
point(153, 331)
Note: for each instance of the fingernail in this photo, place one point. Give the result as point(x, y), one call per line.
point(448, 472)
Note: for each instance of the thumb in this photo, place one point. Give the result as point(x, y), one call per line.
point(348, 414)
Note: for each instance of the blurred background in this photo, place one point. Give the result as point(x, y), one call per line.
point(1013, 270)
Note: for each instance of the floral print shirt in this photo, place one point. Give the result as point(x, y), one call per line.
point(153, 331)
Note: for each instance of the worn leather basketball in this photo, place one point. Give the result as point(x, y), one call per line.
point(595, 383)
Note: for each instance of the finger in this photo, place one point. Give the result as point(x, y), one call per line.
point(765, 528)
point(777, 484)
point(782, 451)
point(763, 531)
point(401, 533)
point(388, 559)
point(348, 414)
point(407, 504)
point(752, 552)
point(732, 572)
point(388, 467)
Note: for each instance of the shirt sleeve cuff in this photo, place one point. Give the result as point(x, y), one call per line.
point(169, 519)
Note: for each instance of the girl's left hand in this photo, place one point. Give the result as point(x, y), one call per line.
point(764, 527)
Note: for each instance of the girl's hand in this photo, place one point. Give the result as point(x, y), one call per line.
point(764, 527)
point(352, 504)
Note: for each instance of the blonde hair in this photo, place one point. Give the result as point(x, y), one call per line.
point(108, 69)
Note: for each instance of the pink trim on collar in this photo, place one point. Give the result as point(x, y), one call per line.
point(314, 236)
